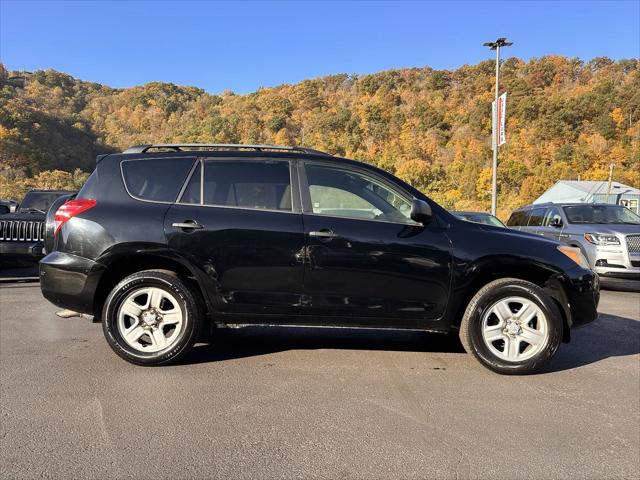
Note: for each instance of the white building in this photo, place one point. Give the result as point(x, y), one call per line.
point(577, 191)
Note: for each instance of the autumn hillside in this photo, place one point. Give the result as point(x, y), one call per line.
point(565, 119)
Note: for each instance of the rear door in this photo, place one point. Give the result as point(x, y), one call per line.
point(239, 220)
point(534, 222)
point(367, 260)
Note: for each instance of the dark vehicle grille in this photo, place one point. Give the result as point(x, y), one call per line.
point(633, 243)
point(21, 231)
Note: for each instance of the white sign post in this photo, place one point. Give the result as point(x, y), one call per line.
point(499, 108)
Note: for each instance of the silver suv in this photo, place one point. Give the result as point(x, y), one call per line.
point(609, 235)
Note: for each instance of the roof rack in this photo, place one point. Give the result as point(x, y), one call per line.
point(178, 147)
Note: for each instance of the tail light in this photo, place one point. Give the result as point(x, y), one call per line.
point(69, 210)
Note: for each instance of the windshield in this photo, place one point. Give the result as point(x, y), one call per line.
point(611, 214)
point(480, 218)
point(38, 201)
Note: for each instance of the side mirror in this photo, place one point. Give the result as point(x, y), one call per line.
point(420, 211)
point(556, 222)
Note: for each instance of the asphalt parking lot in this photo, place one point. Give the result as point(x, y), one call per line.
point(319, 403)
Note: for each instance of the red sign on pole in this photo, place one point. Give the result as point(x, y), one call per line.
point(498, 116)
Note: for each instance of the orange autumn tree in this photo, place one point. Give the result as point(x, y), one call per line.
point(565, 119)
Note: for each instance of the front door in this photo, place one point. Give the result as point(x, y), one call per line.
point(238, 221)
point(551, 224)
point(366, 258)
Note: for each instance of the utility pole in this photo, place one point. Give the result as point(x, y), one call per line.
point(500, 42)
point(611, 165)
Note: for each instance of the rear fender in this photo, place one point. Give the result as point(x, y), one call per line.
point(125, 259)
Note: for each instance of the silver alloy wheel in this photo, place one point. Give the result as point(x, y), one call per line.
point(150, 319)
point(515, 329)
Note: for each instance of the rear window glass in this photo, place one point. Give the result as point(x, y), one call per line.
point(517, 219)
point(537, 214)
point(259, 185)
point(157, 179)
point(90, 187)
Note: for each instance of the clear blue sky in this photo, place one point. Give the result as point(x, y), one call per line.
point(241, 46)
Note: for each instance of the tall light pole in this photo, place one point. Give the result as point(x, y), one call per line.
point(500, 42)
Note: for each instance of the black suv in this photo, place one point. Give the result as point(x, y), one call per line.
point(22, 231)
point(165, 242)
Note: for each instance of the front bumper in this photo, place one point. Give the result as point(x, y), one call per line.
point(69, 281)
point(582, 290)
point(626, 274)
point(615, 261)
point(20, 254)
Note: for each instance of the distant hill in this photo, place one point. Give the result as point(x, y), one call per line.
point(565, 119)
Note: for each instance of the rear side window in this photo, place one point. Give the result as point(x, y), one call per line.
point(537, 214)
point(247, 184)
point(191, 193)
point(517, 219)
point(158, 180)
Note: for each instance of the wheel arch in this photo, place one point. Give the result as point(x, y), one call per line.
point(487, 270)
point(119, 266)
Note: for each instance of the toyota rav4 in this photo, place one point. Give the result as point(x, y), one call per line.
point(166, 243)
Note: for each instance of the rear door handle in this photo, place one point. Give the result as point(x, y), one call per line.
point(324, 233)
point(190, 224)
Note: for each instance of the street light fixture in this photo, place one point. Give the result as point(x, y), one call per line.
point(497, 45)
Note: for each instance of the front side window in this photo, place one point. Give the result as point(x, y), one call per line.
point(158, 179)
point(248, 184)
point(340, 192)
point(552, 213)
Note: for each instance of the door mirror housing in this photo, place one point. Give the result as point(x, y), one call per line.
point(556, 222)
point(421, 211)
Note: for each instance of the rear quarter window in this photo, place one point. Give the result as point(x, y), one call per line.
point(517, 219)
point(157, 180)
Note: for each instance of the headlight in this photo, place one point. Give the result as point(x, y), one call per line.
point(575, 254)
point(601, 239)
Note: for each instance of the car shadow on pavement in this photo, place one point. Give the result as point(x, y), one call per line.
point(609, 336)
point(228, 344)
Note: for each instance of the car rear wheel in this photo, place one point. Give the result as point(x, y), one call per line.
point(512, 326)
point(151, 318)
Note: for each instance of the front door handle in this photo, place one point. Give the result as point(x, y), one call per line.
point(188, 224)
point(324, 233)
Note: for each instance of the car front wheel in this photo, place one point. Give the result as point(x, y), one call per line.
point(151, 318)
point(512, 326)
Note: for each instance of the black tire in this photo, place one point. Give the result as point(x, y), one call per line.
point(487, 296)
point(189, 305)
